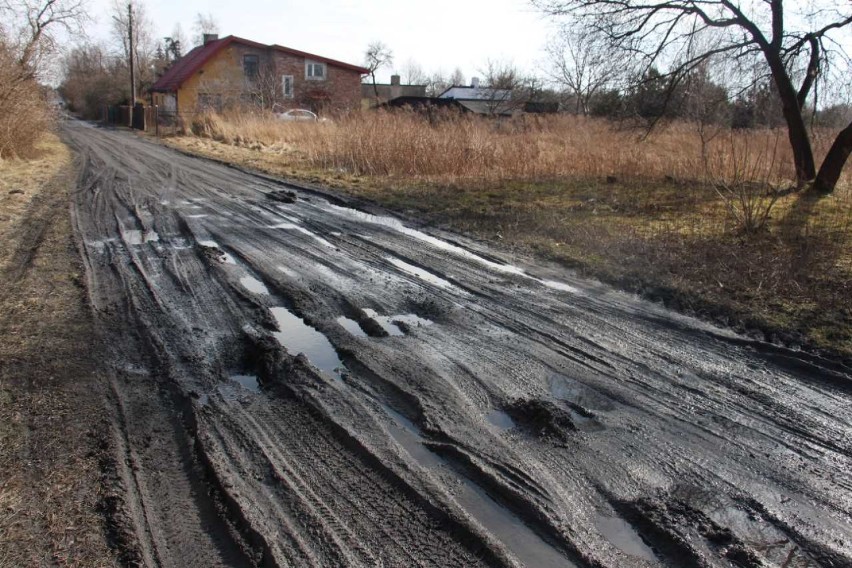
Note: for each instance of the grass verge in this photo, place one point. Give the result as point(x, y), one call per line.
point(50, 486)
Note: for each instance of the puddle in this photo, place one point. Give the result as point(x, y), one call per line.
point(525, 544)
point(288, 272)
point(136, 237)
point(316, 237)
point(561, 286)
point(397, 225)
point(248, 382)
point(351, 326)
point(420, 273)
point(388, 323)
point(622, 535)
point(500, 419)
point(299, 337)
point(254, 285)
point(304, 231)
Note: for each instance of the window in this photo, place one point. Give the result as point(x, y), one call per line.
point(287, 86)
point(314, 71)
point(208, 101)
point(251, 66)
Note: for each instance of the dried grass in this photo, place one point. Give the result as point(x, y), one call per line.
point(24, 113)
point(450, 148)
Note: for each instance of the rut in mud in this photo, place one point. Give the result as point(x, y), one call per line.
point(298, 383)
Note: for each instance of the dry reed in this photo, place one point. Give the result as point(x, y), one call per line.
point(454, 148)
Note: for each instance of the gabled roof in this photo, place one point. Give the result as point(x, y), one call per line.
point(186, 66)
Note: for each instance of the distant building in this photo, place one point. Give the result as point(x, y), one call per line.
point(475, 99)
point(484, 100)
point(234, 71)
point(389, 91)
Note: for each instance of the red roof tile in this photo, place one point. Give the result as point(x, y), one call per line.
point(186, 66)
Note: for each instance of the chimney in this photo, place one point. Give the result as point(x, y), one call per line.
point(210, 37)
point(395, 80)
point(474, 82)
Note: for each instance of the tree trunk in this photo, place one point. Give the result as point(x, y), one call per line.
point(797, 132)
point(833, 164)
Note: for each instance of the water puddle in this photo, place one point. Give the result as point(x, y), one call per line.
point(136, 237)
point(287, 271)
point(420, 273)
point(351, 326)
point(397, 225)
point(500, 419)
point(254, 285)
point(525, 544)
point(622, 535)
point(296, 227)
point(390, 323)
point(561, 286)
point(248, 382)
point(298, 337)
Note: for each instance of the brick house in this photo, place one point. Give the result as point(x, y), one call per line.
point(233, 71)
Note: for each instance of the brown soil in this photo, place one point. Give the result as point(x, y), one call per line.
point(50, 401)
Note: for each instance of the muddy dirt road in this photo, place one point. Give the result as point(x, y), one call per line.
point(298, 383)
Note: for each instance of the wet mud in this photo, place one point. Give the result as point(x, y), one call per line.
point(297, 382)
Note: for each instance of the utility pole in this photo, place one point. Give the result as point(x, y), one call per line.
point(130, 51)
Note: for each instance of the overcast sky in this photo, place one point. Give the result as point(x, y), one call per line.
point(438, 34)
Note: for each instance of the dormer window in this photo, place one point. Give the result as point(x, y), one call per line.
point(314, 71)
point(251, 66)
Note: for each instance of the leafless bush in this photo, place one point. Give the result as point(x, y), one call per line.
point(743, 177)
point(24, 113)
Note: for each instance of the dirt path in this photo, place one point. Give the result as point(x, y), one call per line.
point(51, 396)
point(302, 383)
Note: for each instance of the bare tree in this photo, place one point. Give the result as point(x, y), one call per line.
point(580, 64)
point(378, 55)
point(204, 24)
point(413, 73)
point(796, 43)
point(505, 89)
point(436, 84)
point(457, 78)
point(32, 26)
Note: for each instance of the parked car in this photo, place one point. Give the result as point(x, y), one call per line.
point(299, 115)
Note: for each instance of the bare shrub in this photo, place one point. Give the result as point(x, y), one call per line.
point(24, 113)
point(745, 177)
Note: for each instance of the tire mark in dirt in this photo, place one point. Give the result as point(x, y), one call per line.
point(645, 401)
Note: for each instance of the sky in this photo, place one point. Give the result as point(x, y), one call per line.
point(437, 34)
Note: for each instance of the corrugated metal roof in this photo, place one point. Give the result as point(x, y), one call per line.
point(186, 66)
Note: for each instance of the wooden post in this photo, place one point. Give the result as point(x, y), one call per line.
point(132, 66)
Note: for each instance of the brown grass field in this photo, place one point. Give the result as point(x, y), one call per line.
point(706, 223)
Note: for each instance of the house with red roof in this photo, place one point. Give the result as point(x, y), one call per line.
point(232, 71)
